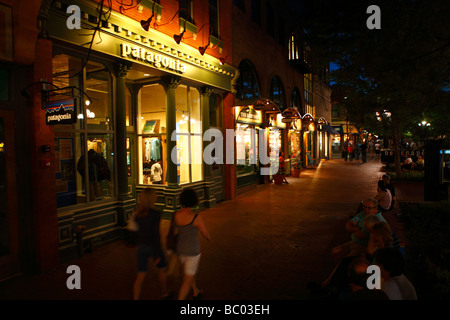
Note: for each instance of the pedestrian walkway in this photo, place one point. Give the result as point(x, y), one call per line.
point(266, 244)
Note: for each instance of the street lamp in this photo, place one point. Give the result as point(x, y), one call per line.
point(424, 124)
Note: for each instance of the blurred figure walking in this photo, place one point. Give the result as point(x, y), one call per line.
point(148, 219)
point(189, 223)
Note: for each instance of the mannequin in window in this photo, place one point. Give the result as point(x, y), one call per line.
point(156, 173)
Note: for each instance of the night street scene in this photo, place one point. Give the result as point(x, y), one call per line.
point(224, 158)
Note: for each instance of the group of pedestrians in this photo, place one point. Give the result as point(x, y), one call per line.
point(352, 150)
point(372, 242)
point(188, 224)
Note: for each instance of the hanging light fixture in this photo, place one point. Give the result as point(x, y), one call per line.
point(179, 37)
point(222, 60)
point(145, 24)
point(202, 49)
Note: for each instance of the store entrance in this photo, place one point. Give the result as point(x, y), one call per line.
point(9, 244)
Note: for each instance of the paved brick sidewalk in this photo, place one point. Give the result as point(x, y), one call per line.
point(266, 244)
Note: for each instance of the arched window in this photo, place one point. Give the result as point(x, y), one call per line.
point(276, 93)
point(247, 85)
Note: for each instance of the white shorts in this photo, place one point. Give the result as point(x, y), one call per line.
point(190, 264)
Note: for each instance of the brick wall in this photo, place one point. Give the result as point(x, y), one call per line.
point(251, 41)
point(169, 23)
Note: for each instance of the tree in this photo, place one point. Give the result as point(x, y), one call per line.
point(402, 67)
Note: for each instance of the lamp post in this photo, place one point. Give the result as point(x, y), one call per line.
point(424, 124)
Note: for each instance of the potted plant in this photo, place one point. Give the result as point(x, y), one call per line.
point(295, 167)
point(295, 170)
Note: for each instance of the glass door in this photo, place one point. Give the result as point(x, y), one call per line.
point(9, 261)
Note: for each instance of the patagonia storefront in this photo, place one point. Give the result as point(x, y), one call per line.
point(141, 104)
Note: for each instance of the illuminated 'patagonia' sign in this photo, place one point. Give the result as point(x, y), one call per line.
point(157, 60)
point(60, 112)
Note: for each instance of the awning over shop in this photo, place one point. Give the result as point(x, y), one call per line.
point(330, 129)
point(262, 104)
point(338, 129)
point(322, 121)
point(308, 117)
point(351, 129)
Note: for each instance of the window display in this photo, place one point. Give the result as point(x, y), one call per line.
point(274, 145)
point(189, 135)
point(84, 152)
point(246, 149)
point(295, 149)
point(152, 137)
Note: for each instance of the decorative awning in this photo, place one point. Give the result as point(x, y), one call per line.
point(338, 129)
point(261, 104)
point(307, 117)
point(330, 129)
point(322, 121)
point(291, 112)
point(350, 129)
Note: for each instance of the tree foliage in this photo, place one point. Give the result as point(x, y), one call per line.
point(402, 67)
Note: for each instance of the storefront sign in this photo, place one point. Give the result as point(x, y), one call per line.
point(155, 59)
point(60, 112)
point(249, 115)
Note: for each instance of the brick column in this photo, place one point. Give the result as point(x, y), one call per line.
point(43, 165)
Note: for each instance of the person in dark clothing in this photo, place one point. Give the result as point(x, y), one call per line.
point(148, 220)
point(387, 182)
point(363, 149)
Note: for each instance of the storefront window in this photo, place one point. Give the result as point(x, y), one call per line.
point(152, 138)
point(189, 135)
point(84, 150)
point(98, 85)
point(295, 143)
point(246, 149)
point(274, 145)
